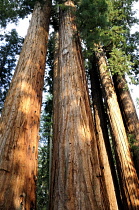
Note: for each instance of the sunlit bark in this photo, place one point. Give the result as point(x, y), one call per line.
point(129, 115)
point(127, 174)
point(76, 181)
point(103, 141)
point(20, 118)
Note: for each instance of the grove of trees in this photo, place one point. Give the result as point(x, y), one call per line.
point(83, 151)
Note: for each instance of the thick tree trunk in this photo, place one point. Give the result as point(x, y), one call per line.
point(76, 181)
point(127, 174)
point(103, 141)
point(129, 115)
point(20, 118)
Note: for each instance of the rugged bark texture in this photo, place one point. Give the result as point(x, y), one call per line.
point(129, 115)
point(127, 174)
point(76, 181)
point(20, 118)
point(103, 141)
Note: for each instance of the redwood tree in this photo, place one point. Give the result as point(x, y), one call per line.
point(129, 115)
point(127, 174)
point(20, 117)
point(76, 181)
point(103, 135)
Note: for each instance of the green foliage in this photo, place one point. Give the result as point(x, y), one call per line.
point(50, 64)
point(107, 23)
point(10, 47)
point(63, 7)
point(91, 19)
point(11, 10)
point(131, 140)
point(44, 155)
point(54, 20)
point(132, 143)
point(133, 50)
point(119, 62)
point(43, 177)
point(46, 133)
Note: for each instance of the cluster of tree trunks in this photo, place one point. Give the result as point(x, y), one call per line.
point(129, 115)
point(78, 176)
point(125, 167)
point(84, 173)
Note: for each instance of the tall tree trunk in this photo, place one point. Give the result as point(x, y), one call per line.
point(127, 174)
point(20, 118)
point(129, 115)
point(55, 96)
point(76, 181)
point(104, 146)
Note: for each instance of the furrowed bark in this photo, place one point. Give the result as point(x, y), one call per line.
point(76, 181)
point(127, 174)
point(21, 116)
point(129, 114)
point(103, 141)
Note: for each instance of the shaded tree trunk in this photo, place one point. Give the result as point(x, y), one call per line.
point(103, 141)
point(127, 174)
point(20, 118)
point(55, 97)
point(129, 115)
point(76, 181)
